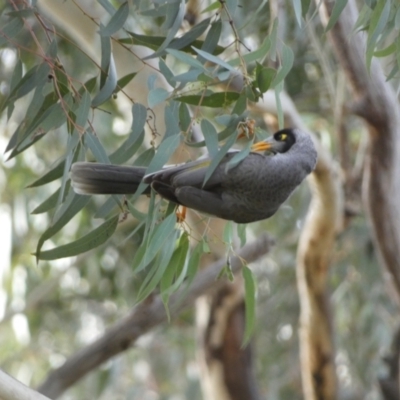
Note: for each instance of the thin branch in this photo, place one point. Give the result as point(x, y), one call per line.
point(143, 318)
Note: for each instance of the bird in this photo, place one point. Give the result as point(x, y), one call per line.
point(250, 191)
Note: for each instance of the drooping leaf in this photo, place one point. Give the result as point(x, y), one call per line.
point(10, 30)
point(158, 269)
point(146, 253)
point(88, 242)
point(124, 81)
point(338, 7)
point(215, 59)
point(49, 176)
point(157, 96)
point(93, 143)
point(264, 77)
point(164, 152)
point(218, 157)
point(187, 59)
point(117, 21)
point(257, 55)
point(176, 15)
point(287, 63)
point(72, 205)
point(210, 137)
point(250, 304)
point(135, 138)
point(297, 5)
point(215, 100)
point(108, 78)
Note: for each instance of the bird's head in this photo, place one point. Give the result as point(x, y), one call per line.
point(280, 142)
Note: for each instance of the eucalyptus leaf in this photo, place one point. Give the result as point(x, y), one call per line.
point(88, 242)
point(117, 21)
point(250, 304)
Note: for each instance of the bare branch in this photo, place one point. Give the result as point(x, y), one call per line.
point(144, 317)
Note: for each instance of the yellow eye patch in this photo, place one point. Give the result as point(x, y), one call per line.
point(283, 136)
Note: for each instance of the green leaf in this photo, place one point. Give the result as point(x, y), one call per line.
point(167, 73)
point(239, 156)
point(257, 55)
point(378, 21)
point(241, 230)
point(287, 63)
point(146, 253)
point(185, 119)
point(72, 151)
point(264, 77)
point(157, 96)
point(298, 11)
point(154, 42)
point(88, 242)
point(82, 113)
point(213, 6)
point(107, 6)
point(250, 304)
point(210, 44)
point(215, 59)
point(176, 15)
point(72, 205)
point(117, 21)
point(97, 149)
point(228, 233)
point(164, 152)
point(338, 7)
point(108, 78)
point(49, 176)
point(218, 157)
point(214, 100)
point(48, 204)
point(171, 118)
point(109, 205)
point(124, 81)
point(10, 30)
point(305, 5)
point(386, 51)
point(135, 138)
point(177, 268)
point(210, 137)
point(157, 271)
point(187, 59)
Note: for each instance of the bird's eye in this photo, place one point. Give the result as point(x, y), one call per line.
point(283, 137)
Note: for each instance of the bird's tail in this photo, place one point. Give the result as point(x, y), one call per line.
point(93, 178)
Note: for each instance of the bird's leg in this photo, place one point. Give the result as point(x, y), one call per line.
point(181, 214)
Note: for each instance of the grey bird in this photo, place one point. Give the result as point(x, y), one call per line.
point(252, 190)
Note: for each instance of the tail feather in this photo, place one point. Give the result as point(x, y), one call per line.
point(93, 178)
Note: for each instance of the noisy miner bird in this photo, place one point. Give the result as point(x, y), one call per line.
point(252, 190)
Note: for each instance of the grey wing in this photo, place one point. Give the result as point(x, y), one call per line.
point(189, 174)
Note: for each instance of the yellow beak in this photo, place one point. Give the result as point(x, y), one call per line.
point(262, 146)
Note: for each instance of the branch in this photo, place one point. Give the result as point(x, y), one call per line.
point(11, 389)
point(144, 317)
point(313, 260)
point(378, 105)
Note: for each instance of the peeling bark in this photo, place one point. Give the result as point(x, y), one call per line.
point(228, 370)
point(313, 258)
point(377, 104)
